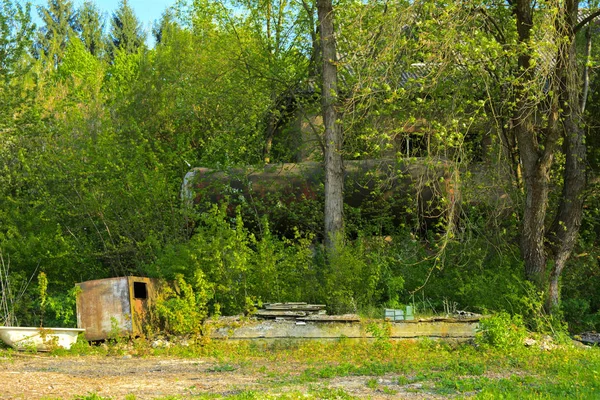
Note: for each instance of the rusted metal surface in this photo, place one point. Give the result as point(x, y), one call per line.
point(369, 185)
point(302, 181)
point(141, 303)
point(115, 306)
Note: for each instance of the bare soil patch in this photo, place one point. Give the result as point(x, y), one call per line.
point(33, 376)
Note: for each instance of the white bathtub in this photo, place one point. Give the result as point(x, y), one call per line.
point(40, 339)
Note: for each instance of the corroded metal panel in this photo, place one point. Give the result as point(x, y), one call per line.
point(367, 182)
point(142, 292)
point(103, 308)
point(115, 306)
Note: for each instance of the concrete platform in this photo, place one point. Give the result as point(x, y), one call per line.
point(290, 329)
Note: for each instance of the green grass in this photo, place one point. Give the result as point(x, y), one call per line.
point(523, 373)
point(222, 368)
point(313, 394)
point(288, 370)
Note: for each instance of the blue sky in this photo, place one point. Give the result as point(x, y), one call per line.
point(147, 11)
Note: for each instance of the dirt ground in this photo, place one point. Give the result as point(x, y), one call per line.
point(34, 376)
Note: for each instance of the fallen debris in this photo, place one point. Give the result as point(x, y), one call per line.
point(331, 318)
point(290, 311)
point(590, 338)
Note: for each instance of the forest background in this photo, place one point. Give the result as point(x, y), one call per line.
point(97, 132)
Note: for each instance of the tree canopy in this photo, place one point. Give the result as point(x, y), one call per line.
point(125, 30)
point(477, 121)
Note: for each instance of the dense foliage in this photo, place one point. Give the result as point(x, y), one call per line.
point(98, 129)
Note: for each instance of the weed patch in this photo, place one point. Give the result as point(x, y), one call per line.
point(222, 368)
point(342, 370)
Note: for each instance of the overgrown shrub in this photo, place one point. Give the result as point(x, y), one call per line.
point(501, 330)
point(581, 278)
point(182, 307)
point(470, 272)
point(579, 316)
point(240, 266)
point(361, 273)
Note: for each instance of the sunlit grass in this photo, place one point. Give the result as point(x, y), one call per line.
point(287, 369)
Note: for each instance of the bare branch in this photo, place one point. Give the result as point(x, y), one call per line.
point(499, 36)
point(586, 21)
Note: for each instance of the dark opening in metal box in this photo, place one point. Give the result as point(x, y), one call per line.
point(112, 306)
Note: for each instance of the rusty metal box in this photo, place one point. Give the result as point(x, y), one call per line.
point(115, 306)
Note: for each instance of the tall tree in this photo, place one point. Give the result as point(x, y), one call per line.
point(16, 31)
point(545, 115)
point(334, 170)
point(166, 22)
point(91, 28)
point(60, 22)
point(16, 36)
point(537, 80)
point(279, 30)
point(126, 32)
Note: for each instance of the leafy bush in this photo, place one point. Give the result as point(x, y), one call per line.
point(581, 278)
point(361, 273)
point(502, 331)
point(578, 315)
point(182, 307)
point(63, 306)
point(238, 265)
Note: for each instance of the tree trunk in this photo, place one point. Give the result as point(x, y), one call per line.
point(272, 120)
point(537, 144)
point(334, 174)
point(535, 163)
point(534, 216)
point(564, 230)
point(586, 69)
point(314, 63)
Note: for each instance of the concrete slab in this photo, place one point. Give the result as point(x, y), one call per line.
point(450, 329)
